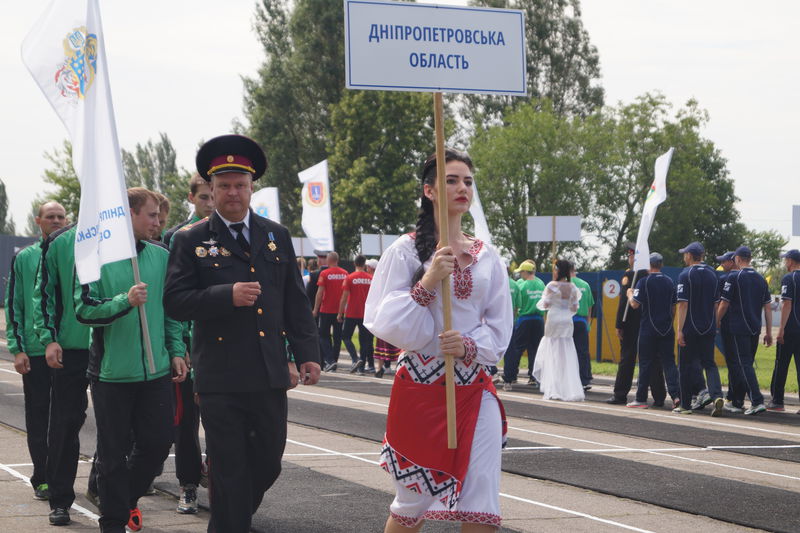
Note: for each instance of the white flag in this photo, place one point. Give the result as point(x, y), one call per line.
point(317, 223)
point(656, 195)
point(264, 202)
point(476, 210)
point(66, 55)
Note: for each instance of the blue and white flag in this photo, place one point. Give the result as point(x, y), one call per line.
point(66, 55)
point(655, 196)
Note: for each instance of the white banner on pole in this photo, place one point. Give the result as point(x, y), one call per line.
point(656, 195)
point(402, 46)
point(540, 229)
point(264, 202)
point(316, 221)
point(375, 243)
point(65, 54)
point(476, 210)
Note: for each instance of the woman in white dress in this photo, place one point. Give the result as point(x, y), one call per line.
point(556, 365)
point(403, 307)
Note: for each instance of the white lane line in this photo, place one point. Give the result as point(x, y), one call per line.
point(295, 391)
point(14, 394)
point(594, 443)
point(25, 479)
point(509, 496)
point(646, 412)
point(661, 454)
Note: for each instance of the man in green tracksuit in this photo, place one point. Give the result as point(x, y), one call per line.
point(66, 345)
point(188, 459)
point(24, 345)
point(127, 396)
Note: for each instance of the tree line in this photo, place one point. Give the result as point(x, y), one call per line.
point(560, 151)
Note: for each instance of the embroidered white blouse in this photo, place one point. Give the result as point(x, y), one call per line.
point(411, 317)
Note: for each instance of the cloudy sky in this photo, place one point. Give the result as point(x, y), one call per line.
point(176, 67)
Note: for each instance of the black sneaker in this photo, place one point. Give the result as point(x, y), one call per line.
point(331, 367)
point(59, 517)
point(355, 367)
point(617, 401)
point(41, 492)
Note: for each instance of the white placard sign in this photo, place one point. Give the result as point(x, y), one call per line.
point(375, 243)
point(540, 229)
point(401, 46)
point(303, 247)
point(796, 220)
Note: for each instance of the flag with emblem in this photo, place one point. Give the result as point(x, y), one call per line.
point(316, 221)
point(66, 55)
point(655, 196)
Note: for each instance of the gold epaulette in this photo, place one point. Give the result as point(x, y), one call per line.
point(193, 224)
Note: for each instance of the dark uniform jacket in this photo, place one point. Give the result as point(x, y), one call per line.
point(631, 322)
point(239, 349)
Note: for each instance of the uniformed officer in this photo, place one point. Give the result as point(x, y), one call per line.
point(728, 265)
point(628, 333)
point(234, 275)
point(744, 295)
point(655, 294)
point(788, 338)
point(697, 297)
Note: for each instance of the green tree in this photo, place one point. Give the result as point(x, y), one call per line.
point(7, 226)
point(537, 164)
point(766, 247)
point(377, 143)
point(700, 204)
point(62, 175)
point(152, 166)
point(562, 64)
point(288, 103)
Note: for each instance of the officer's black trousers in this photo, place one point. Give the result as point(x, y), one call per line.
point(36, 387)
point(246, 436)
point(783, 356)
point(627, 364)
point(67, 414)
point(188, 460)
point(145, 409)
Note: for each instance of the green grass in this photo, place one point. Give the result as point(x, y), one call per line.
point(765, 362)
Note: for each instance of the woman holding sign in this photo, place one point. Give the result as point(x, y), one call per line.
point(432, 481)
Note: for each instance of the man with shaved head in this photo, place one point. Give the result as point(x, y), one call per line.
point(326, 308)
point(27, 349)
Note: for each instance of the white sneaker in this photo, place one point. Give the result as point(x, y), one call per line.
point(187, 503)
point(755, 409)
point(640, 405)
point(718, 405)
point(729, 407)
point(508, 387)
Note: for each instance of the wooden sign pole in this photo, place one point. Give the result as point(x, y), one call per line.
point(444, 240)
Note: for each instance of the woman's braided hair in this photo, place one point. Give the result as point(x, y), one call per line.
point(426, 238)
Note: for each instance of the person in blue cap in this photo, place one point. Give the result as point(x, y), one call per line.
point(697, 298)
point(744, 295)
point(656, 295)
point(788, 338)
point(728, 265)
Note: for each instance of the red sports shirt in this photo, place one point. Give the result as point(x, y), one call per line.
point(332, 279)
point(358, 284)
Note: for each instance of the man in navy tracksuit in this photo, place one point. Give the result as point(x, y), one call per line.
point(697, 298)
point(728, 265)
point(656, 295)
point(788, 339)
point(744, 295)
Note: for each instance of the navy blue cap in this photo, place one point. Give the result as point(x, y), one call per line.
point(743, 251)
point(656, 258)
point(794, 255)
point(693, 248)
point(727, 256)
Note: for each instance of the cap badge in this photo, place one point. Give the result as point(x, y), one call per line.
point(230, 159)
point(200, 251)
